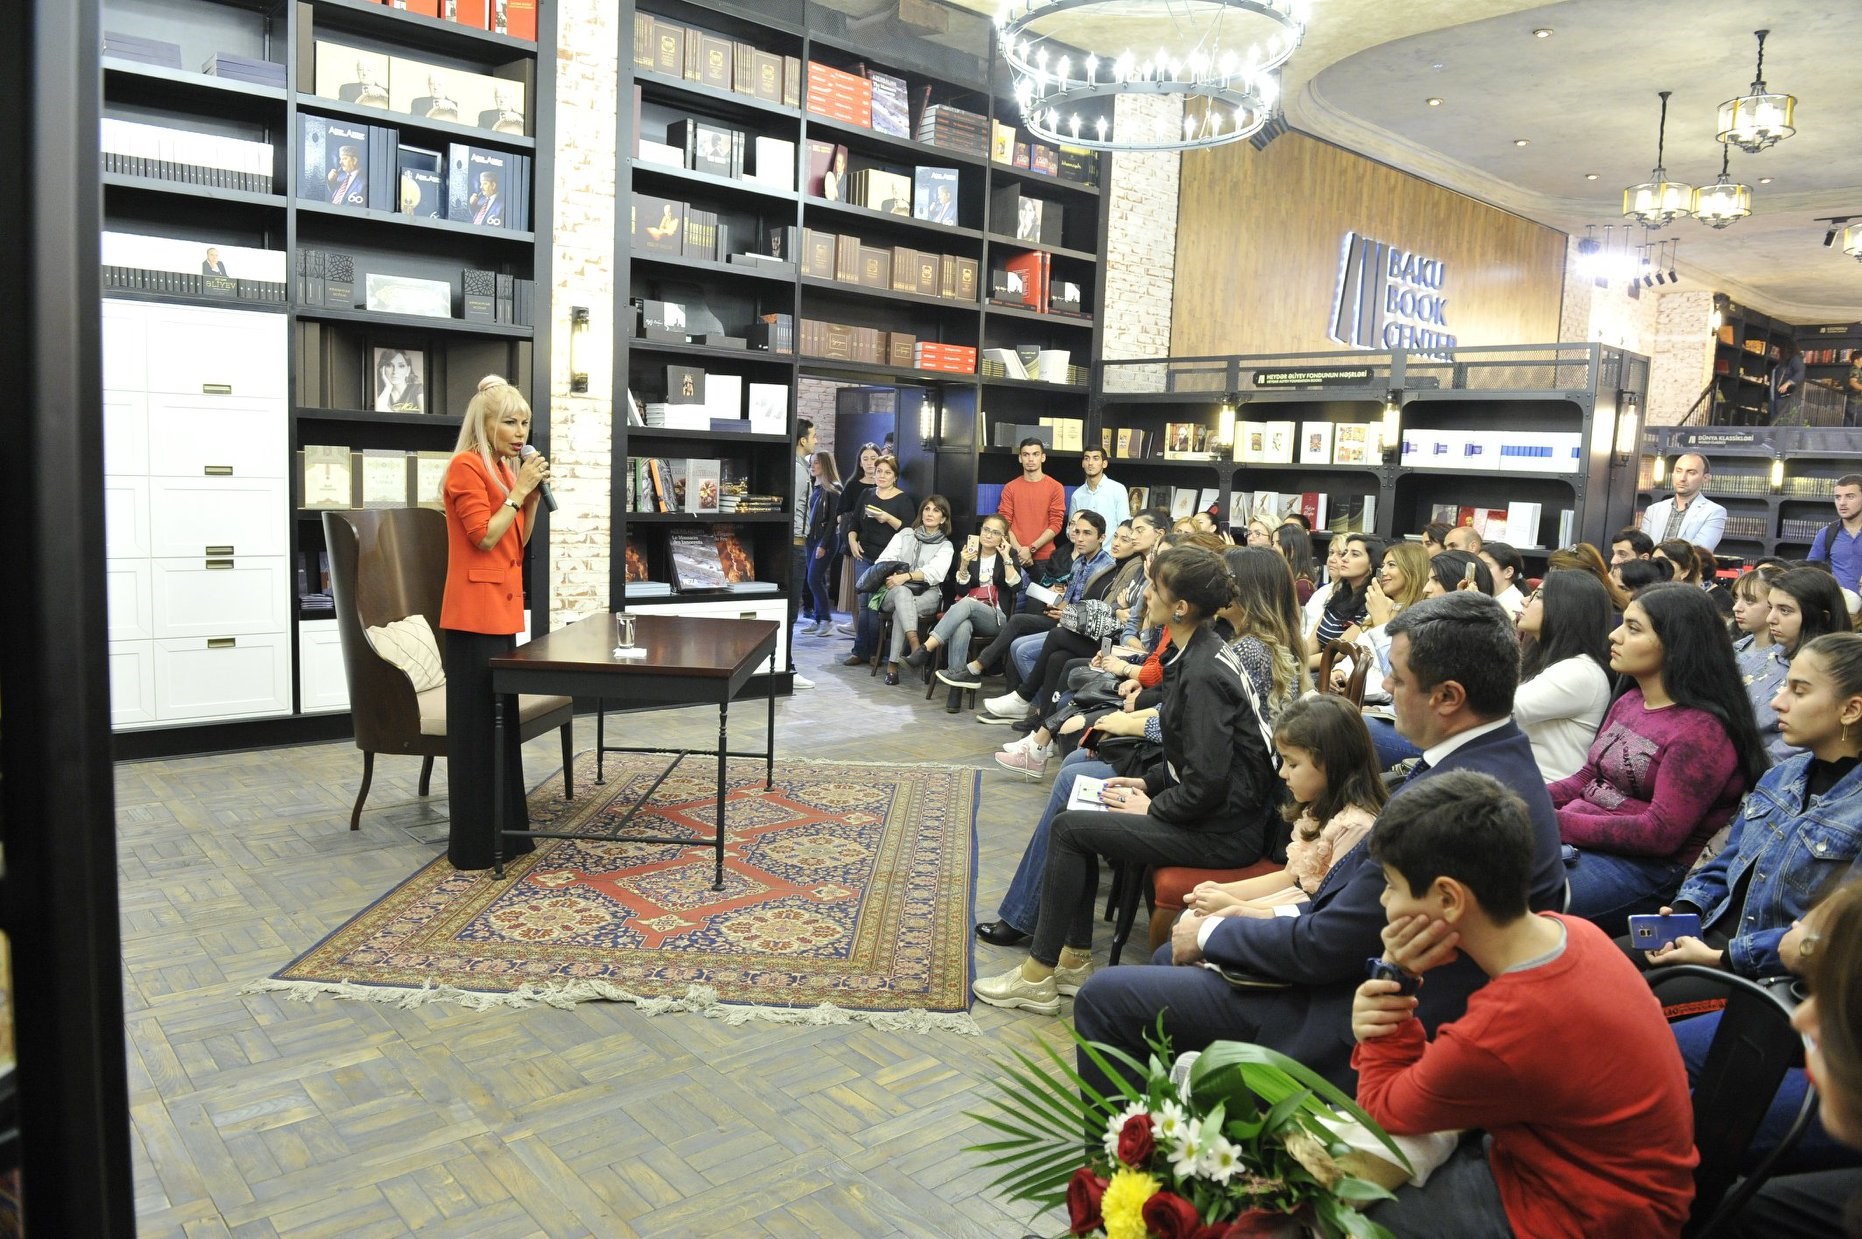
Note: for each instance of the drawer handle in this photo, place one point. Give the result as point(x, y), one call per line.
point(218, 563)
point(218, 550)
point(217, 471)
point(216, 389)
point(222, 643)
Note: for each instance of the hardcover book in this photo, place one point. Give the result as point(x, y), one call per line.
point(1315, 443)
point(685, 385)
point(384, 478)
point(477, 183)
point(707, 146)
point(351, 75)
point(333, 162)
point(934, 195)
point(328, 480)
point(696, 564)
point(702, 481)
point(422, 189)
point(733, 556)
point(658, 225)
point(890, 108)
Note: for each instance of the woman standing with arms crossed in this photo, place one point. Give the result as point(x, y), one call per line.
point(491, 505)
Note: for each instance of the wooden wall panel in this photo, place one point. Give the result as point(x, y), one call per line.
point(1259, 236)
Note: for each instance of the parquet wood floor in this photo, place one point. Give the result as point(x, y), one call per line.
point(258, 1116)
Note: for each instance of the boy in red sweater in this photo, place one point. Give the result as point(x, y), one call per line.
point(1562, 1057)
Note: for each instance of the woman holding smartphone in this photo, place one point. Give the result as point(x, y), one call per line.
point(883, 511)
point(983, 581)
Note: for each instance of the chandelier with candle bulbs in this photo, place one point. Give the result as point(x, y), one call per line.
point(1222, 58)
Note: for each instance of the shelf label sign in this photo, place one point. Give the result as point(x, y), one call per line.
point(1389, 298)
point(1315, 376)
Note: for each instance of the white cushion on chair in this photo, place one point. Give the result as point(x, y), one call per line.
point(409, 644)
point(433, 709)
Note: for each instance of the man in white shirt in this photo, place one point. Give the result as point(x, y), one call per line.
point(1100, 493)
point(1689, 515)
point(1508, 569)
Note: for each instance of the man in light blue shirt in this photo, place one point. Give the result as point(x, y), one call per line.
point(1100, 493)
point(1840, 543)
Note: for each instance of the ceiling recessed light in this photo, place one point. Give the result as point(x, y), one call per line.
point(1764, 180)
point(1590, 176)
point(1435, 103)
point(1522, 141)
point(1543, 32)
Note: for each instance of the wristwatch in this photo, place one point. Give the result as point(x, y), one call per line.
point(513, 505)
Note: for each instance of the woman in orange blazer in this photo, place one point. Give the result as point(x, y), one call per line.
point(491, 505)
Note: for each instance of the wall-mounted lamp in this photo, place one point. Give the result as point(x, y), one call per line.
point(928, 420)
point(1777, 474)
point(1628, 425)
point(1392, 442)
point(1657, 474)
point(578, 367)
point(1225, 425)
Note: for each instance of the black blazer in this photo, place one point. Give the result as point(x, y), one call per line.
point(1322, 951)
point(1216, 773)
point(1005, 593)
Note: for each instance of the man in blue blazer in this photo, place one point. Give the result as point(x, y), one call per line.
point(1454, 665)
point(1689, 515)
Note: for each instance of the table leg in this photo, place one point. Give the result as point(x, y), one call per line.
point(497, 786)
point(601, 738)
point(723, 749)
point(769, 733)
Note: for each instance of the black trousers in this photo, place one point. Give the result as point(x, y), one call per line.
point(1063, 647)
point(1019, 625)
point(469, 752)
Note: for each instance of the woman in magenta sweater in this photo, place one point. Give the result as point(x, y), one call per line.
point(1674, 755)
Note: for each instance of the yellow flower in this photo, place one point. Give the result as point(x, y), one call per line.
point(1123, 1204)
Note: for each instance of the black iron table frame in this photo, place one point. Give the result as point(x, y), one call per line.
point(598, 681)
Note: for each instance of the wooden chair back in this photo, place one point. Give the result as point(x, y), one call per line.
point(1360, 669)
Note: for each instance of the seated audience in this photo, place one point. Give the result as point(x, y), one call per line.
point(1463, 538)
point(1205, 803)
point(1680, 554)
point(1751, 611)
point(1454, 663)
point(1588, 558)
point(915, 588)
point(1450, 572)
point(1508, 569)
point(1332, 776)
point(982, 583)
point(1564, 670)
point(1088, 578)
point(1260, 532)
point(1296, 545)
point(1676, 751)
point(1358, 563)
point(1433, 535)
point(1708, 565)
point(1800, 606)
point(1561, 1058)
point(884, 511)
point(1634, 574)
point(1828, 1203)
point(1314, 607)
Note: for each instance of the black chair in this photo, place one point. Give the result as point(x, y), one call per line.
point(1753, 1048)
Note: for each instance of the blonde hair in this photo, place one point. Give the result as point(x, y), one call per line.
point(496, 397)
point(1413, 562)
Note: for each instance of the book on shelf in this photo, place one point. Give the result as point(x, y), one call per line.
point(1030, 271)
point(1351, 513)
point(134, 262)
point(384, 478)
point(658, 225)
point(333, 161)
point(1278, 440)
point(769, 408)
point(348, 74)
point(326, 477)
point(478, 183)
point(716, 150)
point(1185, 441)
point(934, 195)
point(1315, 443)
point(1522, 523)
point(891, 105)
point(724, 396)
point(159, 152)
point(879, 190)
point(422, 183)
point(1001, 143)
point(430, 478)
point(738, 564)
point(1182, 502)
point(702, 481)
point(941, 124)
point(696, 564)
point(120, 46)
point(685, 385)
point(1355, 443)
point(773, 163)
point(1139, 497)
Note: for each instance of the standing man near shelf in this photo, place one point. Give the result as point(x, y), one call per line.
point(1099, 493)
point(1839, 543)
point(798, 548)
point(1689, 515)
point(1034, 505)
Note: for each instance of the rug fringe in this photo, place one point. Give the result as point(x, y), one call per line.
point(697, 1000)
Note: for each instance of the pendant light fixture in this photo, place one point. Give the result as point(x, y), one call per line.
point(1760, 119)
point(1725, 202)
point(1659, 199)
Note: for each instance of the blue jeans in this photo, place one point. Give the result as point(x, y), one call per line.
point(1460, 1200)
point(968, 618)
point(1389, 742)
point(1607, 887)
point(1023, 652)
point(1021, 907)
point(817, 579)
point(1816, 1151)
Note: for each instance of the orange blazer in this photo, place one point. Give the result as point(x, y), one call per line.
point(484, 589)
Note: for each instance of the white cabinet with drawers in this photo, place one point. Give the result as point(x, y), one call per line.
point(322, 684)
point(197, 515)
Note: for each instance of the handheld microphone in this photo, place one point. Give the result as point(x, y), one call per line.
point(549, 499)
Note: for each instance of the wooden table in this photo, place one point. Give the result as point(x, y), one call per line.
point(687, 662)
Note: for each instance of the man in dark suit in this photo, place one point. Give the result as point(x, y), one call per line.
point(1454, 665)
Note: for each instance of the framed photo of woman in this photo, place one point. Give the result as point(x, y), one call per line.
point(400, 380)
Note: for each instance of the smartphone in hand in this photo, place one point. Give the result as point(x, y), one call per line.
point(1652, 932)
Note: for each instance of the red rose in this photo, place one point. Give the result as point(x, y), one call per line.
point(1258, 1224)
point(1169, 1216)
point(1083, 1193)
point(1135, 1142)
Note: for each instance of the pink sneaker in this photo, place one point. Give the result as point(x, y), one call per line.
point(1034, 765)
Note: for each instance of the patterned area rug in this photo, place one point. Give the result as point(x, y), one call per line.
point(847, 893)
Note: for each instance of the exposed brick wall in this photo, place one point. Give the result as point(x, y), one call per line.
point(582, 426)
point(1141, 240)
point(1683, 359)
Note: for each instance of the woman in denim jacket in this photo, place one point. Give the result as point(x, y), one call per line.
point(1799, 832)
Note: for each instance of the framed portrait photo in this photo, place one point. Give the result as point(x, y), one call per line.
point(397, 380)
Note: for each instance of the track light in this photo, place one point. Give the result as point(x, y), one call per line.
point(1835, 223)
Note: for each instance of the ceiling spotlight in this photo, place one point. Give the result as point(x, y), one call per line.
point(1543, 32)
point(1590, 176)
point(1522, 141)
point(1764, 180)
point(1435, 103)
point(1835, 223)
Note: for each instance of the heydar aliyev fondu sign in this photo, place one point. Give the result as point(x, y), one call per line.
point(1389, 298)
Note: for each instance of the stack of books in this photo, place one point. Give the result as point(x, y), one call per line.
point(160, 153)
point(940, 124)
point(244, 69)
point(839, 95)
point(119, 46)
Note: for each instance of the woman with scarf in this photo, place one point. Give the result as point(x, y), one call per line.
point(914, 593)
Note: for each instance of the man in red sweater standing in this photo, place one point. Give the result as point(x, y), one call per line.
point(1562, 1058)
point(1035, 506)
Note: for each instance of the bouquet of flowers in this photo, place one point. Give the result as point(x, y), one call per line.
point(1235, 1142)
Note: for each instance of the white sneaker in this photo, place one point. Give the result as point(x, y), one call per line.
point(1067, 981)
point(1020, 744)
point(1010, 990)
point(1009, 706)
point(798, 680)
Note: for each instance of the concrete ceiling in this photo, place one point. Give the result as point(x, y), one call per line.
point(1585, 98)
